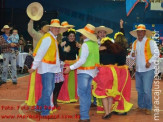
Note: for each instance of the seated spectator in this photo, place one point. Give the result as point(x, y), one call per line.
point(27, 46)
point(29, 59)
point(21, 44)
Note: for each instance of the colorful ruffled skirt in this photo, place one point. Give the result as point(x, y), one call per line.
point(113, 81)
point(34, 89)
point(68, 92)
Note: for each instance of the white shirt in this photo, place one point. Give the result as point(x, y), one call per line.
point(99, 42)
point(82, 60)
point(140, 56)
point(45, 67)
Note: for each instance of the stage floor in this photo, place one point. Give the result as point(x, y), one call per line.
point(13, 108)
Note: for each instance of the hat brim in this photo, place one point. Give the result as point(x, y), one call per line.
point(2, 30)
point(69, 26)
point(108, 30)
point(87, 34)
point(62, 29)
point(134, 32)
point(39, 13)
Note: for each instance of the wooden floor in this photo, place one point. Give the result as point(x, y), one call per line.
point(12, 106)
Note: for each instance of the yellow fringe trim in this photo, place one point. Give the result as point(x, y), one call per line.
point(100, 112)
point(72, 100)
point(52, 111)
point(31, 95)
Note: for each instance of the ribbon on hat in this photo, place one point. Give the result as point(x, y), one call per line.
point(55, 21)
point(141, 27)
point(65, 23)
point(89, 30)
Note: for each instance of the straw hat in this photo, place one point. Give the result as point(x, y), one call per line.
point(35, 11)
point(89, 32)
point(66, 24)
point(6, 27)
point(108, 30)
point(55, 23)
point(141, 27)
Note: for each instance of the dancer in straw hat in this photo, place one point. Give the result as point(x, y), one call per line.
point(47, 61)
point(146, 53)
point(86, 65)
point(34, 12)
point(102, 32)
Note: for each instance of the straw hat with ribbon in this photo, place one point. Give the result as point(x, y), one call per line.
point(141, 27)
point(108, 30)
point(55, 23)
point(89, 32)
point(35, 11)
point(6, 27)
point(66, 24)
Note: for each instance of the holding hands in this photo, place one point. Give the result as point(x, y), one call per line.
point(31, 70)
point(148, 65)
point(67, 70)
point(63, 44)
point(78, 45)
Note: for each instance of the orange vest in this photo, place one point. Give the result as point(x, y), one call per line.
point(50, 56)
point(147, 49)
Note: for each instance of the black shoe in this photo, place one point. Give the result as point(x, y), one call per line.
point(117, 113)
point(93, 105)
point(15, 83)
point(125, 113)
point(2, 82)
point(107, 116)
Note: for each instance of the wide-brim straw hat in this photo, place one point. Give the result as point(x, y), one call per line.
point(67, 25)
point(141, 27)
point(89, 32)
point(55, 23)
point(108, 30)
point(6, 27)
point(35, 11)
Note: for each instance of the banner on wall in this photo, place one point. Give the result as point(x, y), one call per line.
point(157, 5)
point(157, 31)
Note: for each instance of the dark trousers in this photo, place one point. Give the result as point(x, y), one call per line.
point(56, 92)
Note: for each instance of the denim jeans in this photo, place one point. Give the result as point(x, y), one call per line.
point(144, 81)
point(84, 93)
point(12, 58)
point(47, 89)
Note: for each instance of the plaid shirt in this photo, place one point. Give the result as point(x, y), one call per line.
point(5, 47)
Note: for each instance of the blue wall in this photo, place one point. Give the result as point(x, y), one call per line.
point(96, 12)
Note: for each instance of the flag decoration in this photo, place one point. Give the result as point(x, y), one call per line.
point(146, 3)
point(130, 4)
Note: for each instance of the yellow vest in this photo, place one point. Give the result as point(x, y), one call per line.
point(147, 49)
point(50, 56)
